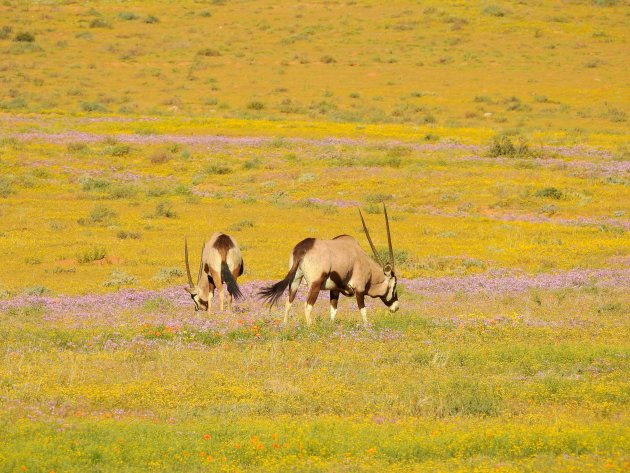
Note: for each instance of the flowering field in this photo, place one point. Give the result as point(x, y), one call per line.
point(508, 201)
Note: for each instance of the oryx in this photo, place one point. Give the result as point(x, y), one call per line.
point(341, 267)
point(221, 262)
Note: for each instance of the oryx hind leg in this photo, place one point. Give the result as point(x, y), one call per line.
point(293, 288)
point(235, 274)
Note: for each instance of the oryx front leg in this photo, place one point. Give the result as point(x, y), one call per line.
point(334, 300)
point(362, 309)
point(313, 292)
point(221, 296)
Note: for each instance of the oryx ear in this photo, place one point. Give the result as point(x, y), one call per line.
point(190, 290)
point(388, 270)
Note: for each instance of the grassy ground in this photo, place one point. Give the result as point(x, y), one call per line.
point(505, 65)
point(496, 134)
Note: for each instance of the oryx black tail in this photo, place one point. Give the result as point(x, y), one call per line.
point(271, 294)
point(228, 278)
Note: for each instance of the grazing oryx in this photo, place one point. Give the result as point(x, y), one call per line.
point(341, 267)
point(221, 262)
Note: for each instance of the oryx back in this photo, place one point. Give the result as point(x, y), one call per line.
point(341, 262)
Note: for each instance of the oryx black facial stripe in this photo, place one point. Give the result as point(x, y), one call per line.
point(392, 293)
point(199, 302)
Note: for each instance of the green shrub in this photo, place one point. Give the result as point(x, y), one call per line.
point(503, 146)
point(374, 209)
point(252, 163)
point(494, 10)
point(181, 189)
point(89, 183)
point(76, 147)
point(6, 187)
point(25, 37)
point(13, 104)
point(120, 278)
point(93, 254)
point(128, 16)
point(549, 193)
point(255, 105)
point(168, 274)
point(157, 192)
point(238, 226)
point(118, 150)
point(93, 107)
point(122, 191)
point(208, 52)
point(99, 23)
point(5, 31)
point(100, 216)
point(401, 257)
point(37, 291)
point(160, 157)
point(217, 168)
point(165, 209)
point(124, 235)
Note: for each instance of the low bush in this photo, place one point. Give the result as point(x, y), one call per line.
point(255, 105)
point(95, 253)
point(120, 278)
point(238, 226)
point(99, 216)
point(165, 209)
point(549, 193)
point(25, 37)
point(168, 274)
point(503, 146)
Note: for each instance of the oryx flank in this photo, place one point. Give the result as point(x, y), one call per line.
point(341, 267)
point(221, 262)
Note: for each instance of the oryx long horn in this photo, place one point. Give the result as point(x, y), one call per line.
point(201, 261)
point(367, 234)
point(389, 239)
point(190, 281)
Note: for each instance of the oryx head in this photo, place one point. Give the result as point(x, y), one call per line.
point(193, 289)
point(390, 299)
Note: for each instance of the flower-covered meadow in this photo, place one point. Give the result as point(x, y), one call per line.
point(125, 127)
